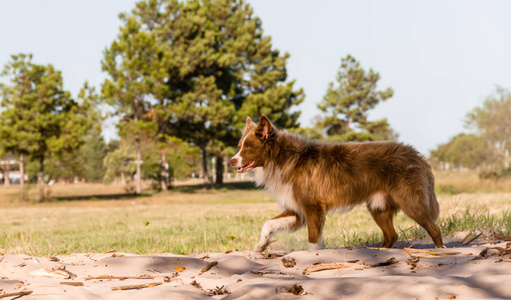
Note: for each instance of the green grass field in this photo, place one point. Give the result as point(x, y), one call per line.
point(98, 218)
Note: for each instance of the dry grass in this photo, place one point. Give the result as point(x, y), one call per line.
point(189, 220)
point(457, 182)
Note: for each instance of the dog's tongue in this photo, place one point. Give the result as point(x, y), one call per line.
point(244, 168)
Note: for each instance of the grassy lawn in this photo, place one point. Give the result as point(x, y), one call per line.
point(98, 218)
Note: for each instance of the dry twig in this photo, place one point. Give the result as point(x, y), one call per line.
point(120, 277)
point(72, 283)
point(16, 294)
point(136, 286)
point(209, 266)
point(473, 239)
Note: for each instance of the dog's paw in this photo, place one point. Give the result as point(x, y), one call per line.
point(260, 247)
point(317, 246)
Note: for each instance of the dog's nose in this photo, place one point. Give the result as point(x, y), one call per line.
point(233, 162)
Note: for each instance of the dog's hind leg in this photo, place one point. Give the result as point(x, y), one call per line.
point(419, 210)
point(385, 220)
point(286, 221)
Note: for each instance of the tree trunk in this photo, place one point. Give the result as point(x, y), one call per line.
point(40, 180)
point(219, 170)
point(6, 175)
point(164, 170)
point(207, 182)
point(22, 177)
point(138, 176)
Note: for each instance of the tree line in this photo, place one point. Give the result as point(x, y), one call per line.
point(181, 79)
point(487, 145)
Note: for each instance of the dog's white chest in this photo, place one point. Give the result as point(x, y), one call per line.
point(282, 192)
point(284, 196)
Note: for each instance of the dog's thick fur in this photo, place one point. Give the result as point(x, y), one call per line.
point(310, 178)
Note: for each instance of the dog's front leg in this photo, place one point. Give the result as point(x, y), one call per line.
point(286, 221)
point(315, 217)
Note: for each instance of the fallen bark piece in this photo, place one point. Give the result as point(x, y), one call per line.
point(72, 283)
point(388, 262)
point(16, 294)
point(487, 252)
point(272, 255)
point(427, 254)
point(136, 286)
point(288, 262)
point(209, 266)
point(295, 290)
point(502, 237)
point(268, 272)
point(52, 273)
point(333, 266)
point(119, 277)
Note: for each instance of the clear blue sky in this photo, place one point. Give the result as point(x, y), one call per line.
point(442, 58)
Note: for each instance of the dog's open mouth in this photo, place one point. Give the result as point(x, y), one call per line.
point(245, 167)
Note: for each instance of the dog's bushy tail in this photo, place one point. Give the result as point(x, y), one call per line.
point(434, 207)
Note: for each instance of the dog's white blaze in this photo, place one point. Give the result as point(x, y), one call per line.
point(377, 201)
point(238, 155)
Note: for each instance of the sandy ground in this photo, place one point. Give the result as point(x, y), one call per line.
point(481, 271)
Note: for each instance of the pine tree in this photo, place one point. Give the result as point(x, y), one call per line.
point(346, 105)
point(127, 89)
point(206, 65)
point(40, 118)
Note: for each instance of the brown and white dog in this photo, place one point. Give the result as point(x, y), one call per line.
point(308, 179)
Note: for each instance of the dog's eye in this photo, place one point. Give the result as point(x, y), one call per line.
point(248, 147)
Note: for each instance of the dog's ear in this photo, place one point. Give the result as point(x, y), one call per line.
point(264, 128)
point(249, 122)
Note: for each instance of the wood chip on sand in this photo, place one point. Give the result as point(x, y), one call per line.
point(110, 277)
point(426, 254)
point(135, 286)
point(15, 294)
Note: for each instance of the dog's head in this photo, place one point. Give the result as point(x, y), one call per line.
point(252, 154)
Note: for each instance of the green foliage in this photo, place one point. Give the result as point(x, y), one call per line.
point(195, 70)
point(487, 148)
point(307, 132)
point(463, 151)
point(493, 123)
point(93, 153)
point(120, 163)
point(346, 104)
point(183, 159)
point(39, 118)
